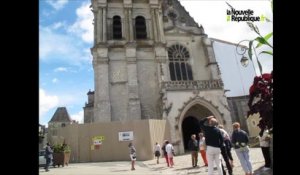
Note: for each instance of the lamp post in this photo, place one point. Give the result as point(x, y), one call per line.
point(244, 61)
point(241, 50)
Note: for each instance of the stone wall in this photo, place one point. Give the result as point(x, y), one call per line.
point(148, 84)
point(239, 108)
point(88, 113)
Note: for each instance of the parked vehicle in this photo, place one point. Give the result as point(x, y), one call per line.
point(42, 160)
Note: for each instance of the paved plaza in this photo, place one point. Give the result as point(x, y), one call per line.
point(182, 167)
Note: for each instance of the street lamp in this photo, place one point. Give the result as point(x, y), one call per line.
point(244, 61)
point(241, 50)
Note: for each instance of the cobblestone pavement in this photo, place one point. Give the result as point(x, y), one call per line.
point(182, 167)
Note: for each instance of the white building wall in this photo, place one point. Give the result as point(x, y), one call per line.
point(236, 78)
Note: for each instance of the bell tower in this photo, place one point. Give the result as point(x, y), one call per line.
point(128, 53)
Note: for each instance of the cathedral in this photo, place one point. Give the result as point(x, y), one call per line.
point(151, 60)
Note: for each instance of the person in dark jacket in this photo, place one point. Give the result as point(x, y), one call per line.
point(48, 156)
point(163, 148)
point(240, 143)
point(214, 140)
point(225, 150)
point(194, 148)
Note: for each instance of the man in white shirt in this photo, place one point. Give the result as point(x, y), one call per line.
point(170, 152)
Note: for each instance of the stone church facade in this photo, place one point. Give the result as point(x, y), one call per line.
point(151, 60)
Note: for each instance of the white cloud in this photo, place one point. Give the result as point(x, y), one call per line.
point(78, 116)
point(57, 46)
point(83, 26)
point(45, 14)
point(54, 80)
point(47, 102)
point(61, 69)
point(57, 4)
point(58, 25)
point(69, 98)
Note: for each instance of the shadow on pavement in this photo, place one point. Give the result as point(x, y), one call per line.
point(187, 168)
point(119, 170)
point(261, 171)
point(159, 168)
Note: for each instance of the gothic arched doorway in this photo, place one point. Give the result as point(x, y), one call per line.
point(190, 125)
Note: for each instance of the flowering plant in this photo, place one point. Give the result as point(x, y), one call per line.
point(261, 100)
point(59, 148)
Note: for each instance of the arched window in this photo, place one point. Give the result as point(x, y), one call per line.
point(140, 28)
point(117, 27)
point(179, 67)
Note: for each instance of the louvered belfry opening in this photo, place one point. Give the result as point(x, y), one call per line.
point(140, 28)
point(117, 27)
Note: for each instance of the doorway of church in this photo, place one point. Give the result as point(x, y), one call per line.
point(190, 125)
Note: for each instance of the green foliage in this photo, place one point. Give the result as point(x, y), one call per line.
point(250, 50)
point(266, 52)
point(272, 5)
point(264, 40)
point(253, 27)
point(59, 148)
point(260, 40)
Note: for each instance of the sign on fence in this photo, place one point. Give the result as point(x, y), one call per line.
point(126, 136)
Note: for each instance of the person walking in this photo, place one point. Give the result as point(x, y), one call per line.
point(170, 153)
point(194, 147)
point(132, 154)
point(157, 152)
point(224, 150)
point(214, 140)
point(48, 156)
point(202, 148)
point(228, 144)
point(264, 142)
point(240, 141)
point(163, 148)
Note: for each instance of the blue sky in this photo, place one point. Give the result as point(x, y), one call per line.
point(66, 36)
point(65, 72)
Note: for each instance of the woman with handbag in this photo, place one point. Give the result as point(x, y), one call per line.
point(132, 154)
point(157, 152)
